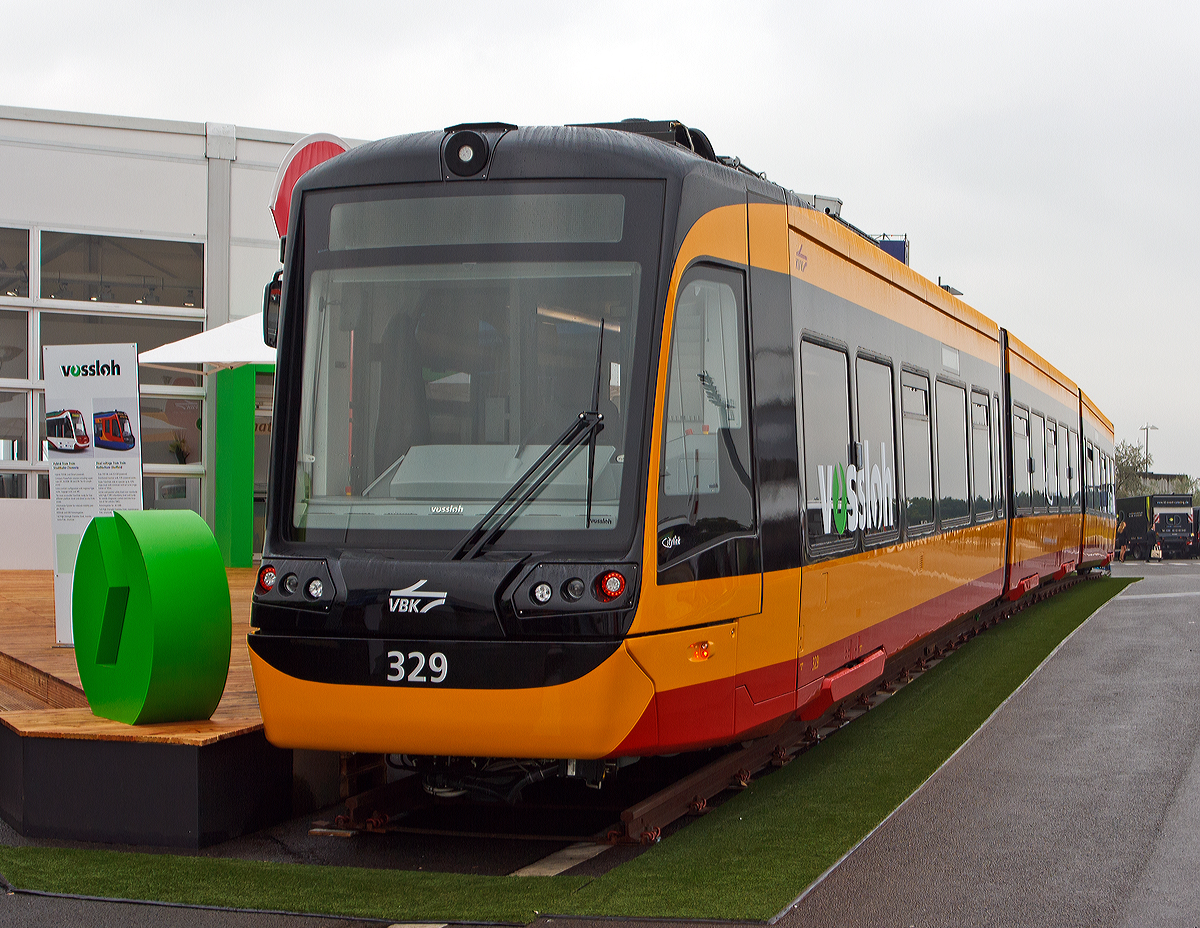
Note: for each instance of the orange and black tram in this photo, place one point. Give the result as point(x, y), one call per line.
point(591, 445)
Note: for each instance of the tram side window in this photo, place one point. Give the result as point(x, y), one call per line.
point(1090, 478)
point(876, 463)
point(1108, 485)
point(1076, 473)
point(981, 449)
point(1037, 454)
point(997, 457)
point(1051, 465)
point(918, 452)
point(954, 500)
point(825, 401)
point(1022, 486)
point(706, 490)
point(1064, 483)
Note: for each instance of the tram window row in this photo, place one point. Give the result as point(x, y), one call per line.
point(965, 455)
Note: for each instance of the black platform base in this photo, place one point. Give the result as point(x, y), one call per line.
point(166, 795)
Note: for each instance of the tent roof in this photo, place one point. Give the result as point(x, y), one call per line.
point(230, 345)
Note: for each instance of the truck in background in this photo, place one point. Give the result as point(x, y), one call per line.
point(1167, 519)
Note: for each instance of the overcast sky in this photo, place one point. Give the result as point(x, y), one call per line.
point(1042, 157)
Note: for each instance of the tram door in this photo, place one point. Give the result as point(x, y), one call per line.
point(708, 550)
point(768, 641)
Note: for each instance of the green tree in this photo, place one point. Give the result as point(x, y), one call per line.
point(1131, 464)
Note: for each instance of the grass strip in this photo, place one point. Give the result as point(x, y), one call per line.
point(352, 891)
point(746, 859)
point(751, 856)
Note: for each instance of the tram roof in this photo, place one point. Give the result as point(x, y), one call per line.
point(519, 153)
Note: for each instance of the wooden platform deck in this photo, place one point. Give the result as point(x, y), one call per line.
point(40, 692)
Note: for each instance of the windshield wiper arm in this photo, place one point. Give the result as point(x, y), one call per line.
point(477, 538)
point(591, 465)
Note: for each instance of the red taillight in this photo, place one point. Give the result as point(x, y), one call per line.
point(266, 579)
point(609, 586)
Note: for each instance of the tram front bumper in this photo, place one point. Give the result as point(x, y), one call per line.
point(356, 695)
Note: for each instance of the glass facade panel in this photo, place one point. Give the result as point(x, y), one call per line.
point(14, 432)
point(14, 262)
point(82, 329)
point(13, 486)
point(14, 344)
point(918, 451)
point(171, 493)
point(825, 392)
point(171, 430)
point(108, 269)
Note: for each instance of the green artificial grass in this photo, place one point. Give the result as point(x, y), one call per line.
point(352, 891)
point(754, 854)
point(746, 859)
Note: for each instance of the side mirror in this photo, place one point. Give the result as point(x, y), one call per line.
point(272, 297)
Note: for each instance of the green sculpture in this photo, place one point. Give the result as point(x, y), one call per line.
point(151, 614)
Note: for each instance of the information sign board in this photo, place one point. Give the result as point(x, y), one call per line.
point(94, 445)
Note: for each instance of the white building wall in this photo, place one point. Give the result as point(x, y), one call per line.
point(138, 178)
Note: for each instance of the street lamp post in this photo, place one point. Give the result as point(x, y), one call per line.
point(1148, 428)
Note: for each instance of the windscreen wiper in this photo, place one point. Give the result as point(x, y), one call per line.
point(478, 537)
point(582, 429)
point(591, 466)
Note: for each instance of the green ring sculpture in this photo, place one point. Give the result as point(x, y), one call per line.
point(151, 615)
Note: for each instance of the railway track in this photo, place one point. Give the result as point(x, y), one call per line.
point(682, 787)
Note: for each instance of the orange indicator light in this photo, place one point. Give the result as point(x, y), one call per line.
point(700, 651)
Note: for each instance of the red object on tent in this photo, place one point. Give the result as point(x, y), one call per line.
point(302, 157)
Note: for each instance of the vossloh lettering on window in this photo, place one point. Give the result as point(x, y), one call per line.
point(854, 497)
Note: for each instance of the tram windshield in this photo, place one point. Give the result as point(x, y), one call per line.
point(449, 341)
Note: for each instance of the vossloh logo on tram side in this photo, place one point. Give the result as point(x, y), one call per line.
point(855, 497)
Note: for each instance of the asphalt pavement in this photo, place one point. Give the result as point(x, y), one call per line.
point(1078, 804)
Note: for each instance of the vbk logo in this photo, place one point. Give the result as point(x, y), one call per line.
point(415, 599)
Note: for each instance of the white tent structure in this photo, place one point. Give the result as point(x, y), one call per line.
point(231, 345)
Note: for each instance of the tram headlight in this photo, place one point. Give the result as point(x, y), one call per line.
point(609, 586)
point(315, 588)
point(266, 579)
point(573, 590)
point(541, 593)
point(466, 153)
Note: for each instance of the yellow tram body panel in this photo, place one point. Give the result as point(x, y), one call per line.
point(584, 718)
point(859, 594)
point(1045, 543)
